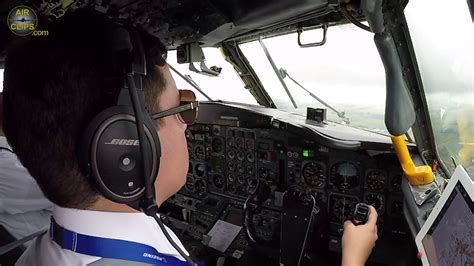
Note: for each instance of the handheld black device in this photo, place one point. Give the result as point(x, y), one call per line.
point(361, 214)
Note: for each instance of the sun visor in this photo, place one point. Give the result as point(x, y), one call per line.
point(399, 111)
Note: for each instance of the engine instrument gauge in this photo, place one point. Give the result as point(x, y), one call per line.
point(239, 143)
point(342, 207)
point(376, 200)
point(232, 188)
point(230, 142)
point(376, 180)
point(250, 144)
point(240, 168)
point(217, 145)
point(396, 182)
point(250, 170)
point(199, 152)
point(252, 185)
point(201, 187)
point(345, 176)
point(240, 156)
point(218, 181)
point(313, 174)
point(230, 154)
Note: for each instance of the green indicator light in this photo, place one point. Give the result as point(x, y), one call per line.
point(305, 153)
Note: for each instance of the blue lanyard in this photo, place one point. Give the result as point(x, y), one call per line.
point(109, 248)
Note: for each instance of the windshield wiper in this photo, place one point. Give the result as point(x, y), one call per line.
point(281, 74)
point(270, 59)
point(342, 115)
point(191, 82)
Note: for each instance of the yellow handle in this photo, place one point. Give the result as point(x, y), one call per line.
point(416, 175)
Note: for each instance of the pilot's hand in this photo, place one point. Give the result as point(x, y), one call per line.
point(358, 241)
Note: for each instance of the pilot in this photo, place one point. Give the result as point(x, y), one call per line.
point(23, 207)
point(53, 87)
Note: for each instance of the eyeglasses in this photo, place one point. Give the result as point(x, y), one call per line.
point(186, 111)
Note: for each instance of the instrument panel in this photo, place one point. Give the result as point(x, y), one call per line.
point(227, 164)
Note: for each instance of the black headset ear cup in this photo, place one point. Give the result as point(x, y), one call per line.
point(110, 154)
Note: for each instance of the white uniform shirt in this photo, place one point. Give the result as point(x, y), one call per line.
point(23, 207)
point(136, 227)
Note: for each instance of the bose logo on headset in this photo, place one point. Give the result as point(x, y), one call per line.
point(123, 142)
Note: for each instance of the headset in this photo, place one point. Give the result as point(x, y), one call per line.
point(120, 148)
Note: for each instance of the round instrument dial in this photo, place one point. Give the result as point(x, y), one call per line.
point(230, 154)
point(199, 152)
point(239, 143)
point(230, 142)
point(252, 184)
point(376, 200)
point(313, 174)
point(231, 188)
point(218, 145)
point(240, 156)
point(396, 182)
point(218, 181)
point(376, 180)
point(201, 187)
point(249, 144)
point(342, 208)
point(345, 176)
point(240, 168)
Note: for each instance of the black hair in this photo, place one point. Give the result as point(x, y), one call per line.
point(54, 85)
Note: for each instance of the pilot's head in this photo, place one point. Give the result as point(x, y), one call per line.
point(53, 87)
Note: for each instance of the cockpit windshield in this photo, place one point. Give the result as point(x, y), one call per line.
point(346, 73)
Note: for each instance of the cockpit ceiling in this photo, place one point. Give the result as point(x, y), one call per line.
point(208, 22)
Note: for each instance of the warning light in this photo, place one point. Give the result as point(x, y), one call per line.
point(308, 153)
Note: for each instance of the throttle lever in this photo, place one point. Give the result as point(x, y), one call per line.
point(361, 214)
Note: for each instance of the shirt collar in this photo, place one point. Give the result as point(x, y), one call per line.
point(4, 143)
point(136, 227)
